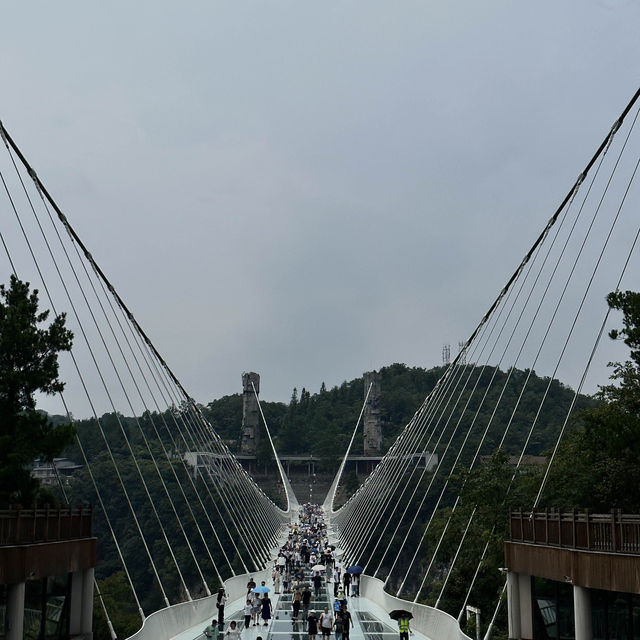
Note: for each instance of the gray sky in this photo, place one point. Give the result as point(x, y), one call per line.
point(311, 190)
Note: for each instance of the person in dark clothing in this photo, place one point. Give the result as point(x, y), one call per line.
point(266, 609)
point(312, 628)
point(306, 599)
point(347, 623)
point(220, 602)
point(317, 583)
point(297, 601)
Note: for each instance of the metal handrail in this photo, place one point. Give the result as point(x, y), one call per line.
point(30, 526)
point(613, 532)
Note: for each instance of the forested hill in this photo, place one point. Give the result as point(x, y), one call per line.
point(322, 423)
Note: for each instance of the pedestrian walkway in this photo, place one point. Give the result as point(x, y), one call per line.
point(370, 622)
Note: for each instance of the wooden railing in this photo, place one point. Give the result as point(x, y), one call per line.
point(613, 532)
point(29, 526)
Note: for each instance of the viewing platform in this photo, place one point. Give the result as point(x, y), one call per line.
point(590, 566)
point(47, 560)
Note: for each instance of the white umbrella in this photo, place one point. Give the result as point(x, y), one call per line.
point(318, 567)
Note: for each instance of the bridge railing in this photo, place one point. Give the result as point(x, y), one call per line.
point(173, 620)
point(433, 623)
point(613, 532)
point(30, 526)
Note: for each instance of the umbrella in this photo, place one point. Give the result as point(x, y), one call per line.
point(261, 589)
point(318, 567)
point(339, 553)
point(396, 614)
point(355, 570)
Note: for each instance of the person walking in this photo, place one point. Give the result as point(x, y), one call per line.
point(317, 583)
point(403, 627)
point(337, 626)
point(346, 621)
point(248, 610)
point(326, 623)
point(233, 632)
point(346, 581)
point(336, 581)
point(355, 585)
point(306, 599)
point(266, 609)
point(276, 580)
point(312, 626)
point(212, 629)
point(220, 602)
point(255, 608)
point(297, 601)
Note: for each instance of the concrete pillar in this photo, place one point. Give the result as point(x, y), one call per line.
point(513, 605)
point(526, 606)
point(87, 603)
point(75, 604)
point(582, 613)
point(250, 414)
point(371, 418)
point(15, 611)
point(81, 604)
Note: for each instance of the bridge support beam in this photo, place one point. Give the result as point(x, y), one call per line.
point(582, 613)
point(513, 605)
point(15, 611)
point(520, 606)
point(526, 605)
point(81, 604)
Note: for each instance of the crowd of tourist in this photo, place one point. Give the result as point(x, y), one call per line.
point(305, 559)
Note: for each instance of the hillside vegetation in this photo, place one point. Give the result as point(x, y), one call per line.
point(321, 423)
point(311, 423)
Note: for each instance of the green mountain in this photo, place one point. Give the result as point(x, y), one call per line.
point(322, 423)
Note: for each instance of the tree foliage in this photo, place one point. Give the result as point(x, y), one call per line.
point(598, 465)
point(28, 365)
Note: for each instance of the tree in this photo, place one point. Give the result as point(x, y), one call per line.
point(598, 465)
point(28, 364)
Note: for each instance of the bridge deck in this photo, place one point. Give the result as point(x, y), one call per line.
point(370, 621)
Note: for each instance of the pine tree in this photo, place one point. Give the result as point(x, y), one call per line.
point(28, 364)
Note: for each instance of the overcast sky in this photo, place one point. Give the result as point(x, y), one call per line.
point(311, 190)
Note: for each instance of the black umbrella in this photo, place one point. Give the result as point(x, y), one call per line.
point(396, 614)
point(355, 570)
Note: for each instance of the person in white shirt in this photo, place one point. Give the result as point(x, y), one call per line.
point(248, 610)
point(232, 633)
point(326, 623)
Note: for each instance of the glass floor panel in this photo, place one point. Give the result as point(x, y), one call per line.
point(377, 626)
point(380, 636)
point(365, 616)
point(285, 625)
